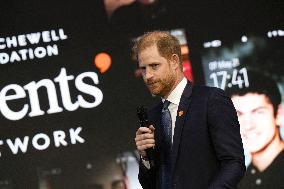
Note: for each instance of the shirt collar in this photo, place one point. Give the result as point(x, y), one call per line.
point(175, 95)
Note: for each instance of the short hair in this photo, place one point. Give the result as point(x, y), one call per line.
point(260, 84)
point(166, 43)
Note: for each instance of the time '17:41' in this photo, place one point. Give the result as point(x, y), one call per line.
point(223, 79)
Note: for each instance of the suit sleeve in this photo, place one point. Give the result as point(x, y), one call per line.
point(225, 135)
point(146, 177)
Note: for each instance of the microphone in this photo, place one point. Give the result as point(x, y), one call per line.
point(144, 122)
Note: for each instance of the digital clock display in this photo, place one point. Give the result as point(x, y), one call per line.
point(223, 79)
point(223, 73)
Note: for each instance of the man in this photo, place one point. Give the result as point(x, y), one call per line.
point(204, 150)
point(259, 111)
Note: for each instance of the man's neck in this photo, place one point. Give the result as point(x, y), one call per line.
point(262, 159)
point(178, 80)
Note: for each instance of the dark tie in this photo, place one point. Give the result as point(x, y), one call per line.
point(166, 123)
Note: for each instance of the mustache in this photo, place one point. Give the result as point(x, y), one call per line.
point(151, 82)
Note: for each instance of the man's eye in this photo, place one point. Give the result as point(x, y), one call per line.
point(239, 113)
point(259, 112)
point(154, 66)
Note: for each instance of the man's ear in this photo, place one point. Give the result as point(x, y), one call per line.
point(280, 115)
point(175, 61)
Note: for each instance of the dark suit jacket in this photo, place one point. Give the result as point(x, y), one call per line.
point(207, 151)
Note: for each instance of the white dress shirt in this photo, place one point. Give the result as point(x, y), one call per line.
point(174, 99)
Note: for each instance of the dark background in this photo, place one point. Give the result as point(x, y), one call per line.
point(108, 129)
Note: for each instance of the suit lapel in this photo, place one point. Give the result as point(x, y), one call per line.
point(181, 114)
point(155, 119)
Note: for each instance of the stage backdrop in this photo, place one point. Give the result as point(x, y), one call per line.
point(69, 86)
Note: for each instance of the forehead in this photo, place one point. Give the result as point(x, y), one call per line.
point(250, 101)
point(149, 50)
point(150, 55)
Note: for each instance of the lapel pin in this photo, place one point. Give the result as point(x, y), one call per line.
point(180, 113)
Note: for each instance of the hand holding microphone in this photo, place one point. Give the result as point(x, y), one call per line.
point(145, 140)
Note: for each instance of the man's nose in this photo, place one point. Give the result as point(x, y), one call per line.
point(248, 122)
point(148, 74)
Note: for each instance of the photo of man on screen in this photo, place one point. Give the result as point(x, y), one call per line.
point(259, 113)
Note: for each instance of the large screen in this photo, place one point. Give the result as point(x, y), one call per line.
point(249, 68)
point(69, 88)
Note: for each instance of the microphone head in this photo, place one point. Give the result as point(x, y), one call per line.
point(142, 113)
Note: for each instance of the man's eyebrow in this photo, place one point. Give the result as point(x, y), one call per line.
point(253, 110)
point(150, 64)
point(259, 108)
point(141, 66)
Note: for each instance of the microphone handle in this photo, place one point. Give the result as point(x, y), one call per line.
point(150, 156)
point(149, 151)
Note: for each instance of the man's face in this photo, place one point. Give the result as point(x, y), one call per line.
point(158, 73)
point(257, 120)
